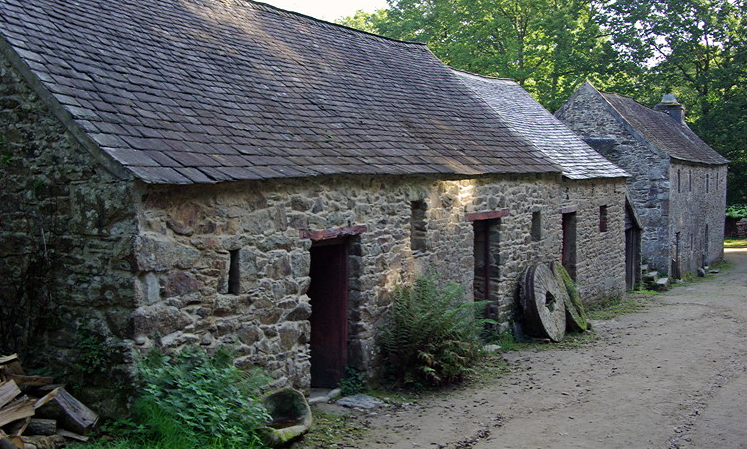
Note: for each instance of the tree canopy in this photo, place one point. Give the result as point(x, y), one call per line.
point(696, 49)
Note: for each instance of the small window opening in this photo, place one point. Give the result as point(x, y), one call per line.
point(234, 272)
point(418, 226)
point(690, 181)
point(602, 218)
point(708, 180)
point(679, 181)
point(717, 180)
point(536, 226)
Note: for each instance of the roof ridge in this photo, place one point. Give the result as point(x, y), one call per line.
point(300, 16)
point(485, 77)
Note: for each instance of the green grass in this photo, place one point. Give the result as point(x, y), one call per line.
point(613, 307)
point(735, 243)
point(331, 431)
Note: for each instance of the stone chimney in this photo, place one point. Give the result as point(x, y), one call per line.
point(671, 106)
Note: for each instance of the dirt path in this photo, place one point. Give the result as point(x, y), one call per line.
point(672, 376)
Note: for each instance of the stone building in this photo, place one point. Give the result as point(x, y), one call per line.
point(223, 172)
point(593, 188)
point(678, 183)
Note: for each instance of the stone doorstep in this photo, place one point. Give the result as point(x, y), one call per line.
point(319, 395)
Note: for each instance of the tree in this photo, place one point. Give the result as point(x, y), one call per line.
point(696, 49)
point(548, 46)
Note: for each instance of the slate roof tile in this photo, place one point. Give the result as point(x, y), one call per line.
point(674, 138)
point(548, 134)
point(190, 84)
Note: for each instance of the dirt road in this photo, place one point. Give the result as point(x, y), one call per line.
point(671, 376)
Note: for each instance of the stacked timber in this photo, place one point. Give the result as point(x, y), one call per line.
point(36, 413)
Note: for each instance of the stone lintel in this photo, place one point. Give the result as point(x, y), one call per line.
point(487, 215)
point(328, 234)
point(568, 209)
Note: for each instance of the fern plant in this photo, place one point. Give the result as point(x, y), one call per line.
point(432, 335)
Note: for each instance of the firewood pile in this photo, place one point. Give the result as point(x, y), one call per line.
point(36, 413)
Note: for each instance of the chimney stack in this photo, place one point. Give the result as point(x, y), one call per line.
point(671, 106)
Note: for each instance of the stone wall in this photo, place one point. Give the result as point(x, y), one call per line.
point(697, 215)
point(586, 113)
point(67, 228)
point(600, 271)
point(187, 234)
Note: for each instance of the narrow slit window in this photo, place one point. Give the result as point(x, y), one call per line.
point(679, 181)
point(536, 226)
point(234, 272)
point(418, 226)
point(602, 218)
point(708, 183)
point(690, 181)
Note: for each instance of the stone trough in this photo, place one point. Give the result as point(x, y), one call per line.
point(290, 417)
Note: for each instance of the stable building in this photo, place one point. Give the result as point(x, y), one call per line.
point(214, 173)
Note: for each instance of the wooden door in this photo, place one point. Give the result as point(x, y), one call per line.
point(328, 292)
point(487, 269)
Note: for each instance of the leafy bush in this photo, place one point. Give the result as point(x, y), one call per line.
point(353, 382)
point(736, 211)
point(432, 335)
point(194, 400)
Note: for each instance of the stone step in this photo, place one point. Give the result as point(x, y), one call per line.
point(644, 268)
point(651, 276)
point(661, 284)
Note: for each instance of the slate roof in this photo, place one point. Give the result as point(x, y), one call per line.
point(548, 134)
point(659, 129)
point(202, 91)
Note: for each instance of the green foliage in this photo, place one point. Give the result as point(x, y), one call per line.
point(91, 350)
point(736, 211)
point(613, 307)
point(353, 382)
point(432, 336)
point(192, 400)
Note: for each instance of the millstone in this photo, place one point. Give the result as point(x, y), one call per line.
point(575, 315)
point(543, 303)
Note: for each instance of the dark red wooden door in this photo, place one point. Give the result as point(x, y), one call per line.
point(328, 292)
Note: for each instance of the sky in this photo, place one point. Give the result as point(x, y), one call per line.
point(328, 10)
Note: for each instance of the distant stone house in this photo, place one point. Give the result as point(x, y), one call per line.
point(593, 189)
point(678, 183)
point(223, 172)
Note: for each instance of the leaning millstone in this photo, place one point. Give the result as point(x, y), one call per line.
point(575, 315)
point(360, 401)
point(543, 303)
point(290, 417)
point(701, 272)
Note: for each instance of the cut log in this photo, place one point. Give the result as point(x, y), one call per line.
point(31, 381)
point(72, 435)
point(6, 442)
point(44, 442)
point(17, 428)
point(42, 427)
point(76, 416)
point(15, 411)
point(47, 397)
point(11, 364)
point(8, 391)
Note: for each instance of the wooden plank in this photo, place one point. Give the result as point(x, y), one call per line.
point(488, 215)
point(48, 397)
point(72, 435)
point(8, 358)
point(8, 391)
point(17, 410)
point(77, 417)
point(332, 233)
point(31, 381)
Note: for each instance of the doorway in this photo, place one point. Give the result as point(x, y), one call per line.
point(632, 249)
point(569, 244)
point(486, 251)
point(328, 293)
